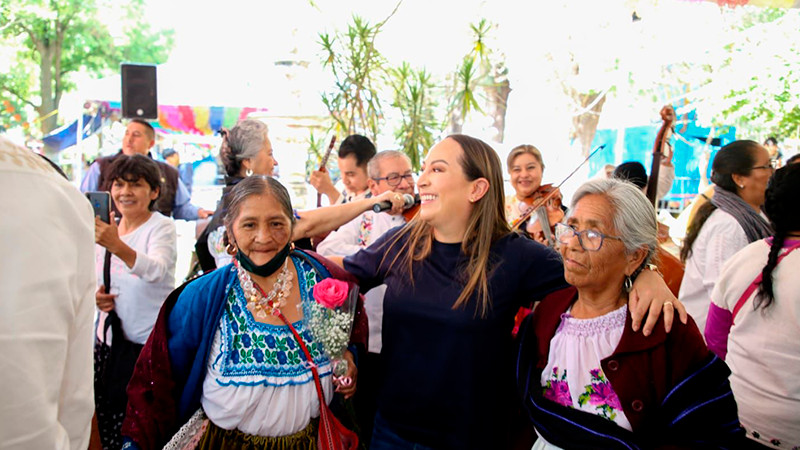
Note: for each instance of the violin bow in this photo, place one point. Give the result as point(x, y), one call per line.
point(323, 164)
point(543, 200)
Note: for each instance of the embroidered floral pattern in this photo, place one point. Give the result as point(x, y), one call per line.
point(600, 395)
point(557, 389)
point(254, 348)
point(216, 239)
point(365, 230)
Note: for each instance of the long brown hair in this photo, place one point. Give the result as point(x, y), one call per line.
point(486, 225)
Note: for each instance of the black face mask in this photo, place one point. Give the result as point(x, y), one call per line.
point(267, 268)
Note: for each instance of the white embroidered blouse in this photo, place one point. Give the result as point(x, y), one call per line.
point(573, 376)
point(257, 379)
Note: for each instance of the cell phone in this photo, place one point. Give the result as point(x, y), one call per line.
point(101, 204)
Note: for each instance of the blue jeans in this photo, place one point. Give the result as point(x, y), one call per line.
point(383, 438)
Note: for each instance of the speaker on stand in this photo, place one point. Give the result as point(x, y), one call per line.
point(139, 98)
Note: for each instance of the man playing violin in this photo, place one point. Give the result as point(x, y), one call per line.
point(388, 170)
point(525, 167)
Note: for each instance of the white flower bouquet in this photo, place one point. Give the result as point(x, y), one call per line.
point(330, 319)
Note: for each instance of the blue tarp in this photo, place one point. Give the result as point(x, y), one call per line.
point(66, 136)
point(688, 148)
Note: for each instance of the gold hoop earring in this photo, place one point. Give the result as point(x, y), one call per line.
point(230, 249)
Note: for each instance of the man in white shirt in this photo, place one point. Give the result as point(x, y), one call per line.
point(46, 306)
point(388, 170)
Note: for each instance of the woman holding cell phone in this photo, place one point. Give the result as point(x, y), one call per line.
point(141, 262)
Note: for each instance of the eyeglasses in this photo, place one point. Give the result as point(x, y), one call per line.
point(590, 240)
point(773, 164)
point(393, 179)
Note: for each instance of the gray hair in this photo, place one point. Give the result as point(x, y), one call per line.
point(255, 185)
point(243, 141)
point(373, 166)
point(633, 215)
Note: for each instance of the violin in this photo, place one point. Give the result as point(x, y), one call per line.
point(667, 118)
point(315, 240)
point(323, 164)
point(411, 212)
point(546, 195)
point(545, 203)
point(671, 268)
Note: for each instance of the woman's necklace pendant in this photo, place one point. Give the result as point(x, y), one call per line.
point(261, 305)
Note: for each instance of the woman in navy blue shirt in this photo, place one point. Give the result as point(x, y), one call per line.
point(455, 278)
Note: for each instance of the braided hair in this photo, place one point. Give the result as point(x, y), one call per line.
point(780, 205)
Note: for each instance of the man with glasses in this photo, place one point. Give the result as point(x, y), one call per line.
point(388, 170)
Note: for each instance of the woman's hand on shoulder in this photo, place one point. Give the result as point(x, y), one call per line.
point(650, 296)
point(343, 387)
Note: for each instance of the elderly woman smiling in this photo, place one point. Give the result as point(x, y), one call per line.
point(223, 346)
point(587, 380)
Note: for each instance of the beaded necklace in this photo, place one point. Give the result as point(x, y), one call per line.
point(260, 304)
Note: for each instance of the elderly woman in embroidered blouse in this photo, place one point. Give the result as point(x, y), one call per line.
point(754, 321)
point(586, 379)
point(221, 345)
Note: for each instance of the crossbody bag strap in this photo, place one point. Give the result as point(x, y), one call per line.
point(107, 286)
point(752, 287)
point(309, 360)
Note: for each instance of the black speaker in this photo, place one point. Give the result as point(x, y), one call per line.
point(139, 99)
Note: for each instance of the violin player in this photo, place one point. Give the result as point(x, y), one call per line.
point(525, 166)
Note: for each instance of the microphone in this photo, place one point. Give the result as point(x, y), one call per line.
point(408, 201)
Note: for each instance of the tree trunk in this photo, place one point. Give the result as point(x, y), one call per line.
point(456, 122)
point(49, 98)
point(584, 125)
point(497, 93)
point(49, 102)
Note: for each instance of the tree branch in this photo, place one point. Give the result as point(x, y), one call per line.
point(20, 97)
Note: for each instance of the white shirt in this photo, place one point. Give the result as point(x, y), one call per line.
point(347, 197)
point(763, 352)
point(46, 306)
point(350, 238)
point(142, 289)
point(720, 238)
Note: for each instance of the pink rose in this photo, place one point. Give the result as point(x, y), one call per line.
point(558, 392)
point(331, 292)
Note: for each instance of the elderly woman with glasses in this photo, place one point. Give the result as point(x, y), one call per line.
point(586, 379)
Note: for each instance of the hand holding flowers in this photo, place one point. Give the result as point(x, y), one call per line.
point(330, 319)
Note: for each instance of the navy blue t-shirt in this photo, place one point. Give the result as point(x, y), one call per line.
point(448, 373)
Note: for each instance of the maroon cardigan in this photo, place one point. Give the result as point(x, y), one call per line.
point(643, 371)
